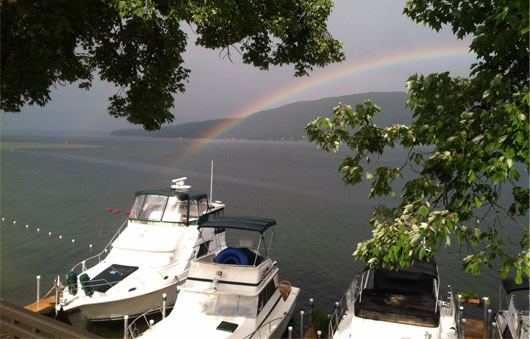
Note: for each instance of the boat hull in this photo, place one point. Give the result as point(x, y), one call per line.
point(115, 309)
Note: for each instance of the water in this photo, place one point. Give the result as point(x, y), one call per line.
point(54, 184)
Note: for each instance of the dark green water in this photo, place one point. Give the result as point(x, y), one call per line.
point(67, 190)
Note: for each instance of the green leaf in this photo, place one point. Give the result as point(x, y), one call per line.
point(423, 210)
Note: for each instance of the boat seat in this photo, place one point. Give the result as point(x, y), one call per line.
point(417, 309)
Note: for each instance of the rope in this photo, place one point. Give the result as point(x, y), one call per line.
point(49, 292)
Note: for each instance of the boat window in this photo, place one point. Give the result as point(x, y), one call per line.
point(176, 210)
point(203, 249)
point(153, 207)
point(198, 208)
point(137, 207)
point(203, 206)
point(266, 294)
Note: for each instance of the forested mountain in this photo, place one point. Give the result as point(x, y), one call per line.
point(286, 122)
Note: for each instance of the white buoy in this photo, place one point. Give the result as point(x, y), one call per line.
point(14, 222)
point(49, 234)
point(38, 230)
point(3, 219)
point(60, 237)
point(90, 245)
point(27, 226)
point(73, 240)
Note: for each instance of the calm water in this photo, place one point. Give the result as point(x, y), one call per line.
point(66, 190)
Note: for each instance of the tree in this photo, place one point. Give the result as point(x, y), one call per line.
point(138, 46)
point(467, 142)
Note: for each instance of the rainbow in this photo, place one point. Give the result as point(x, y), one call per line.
point(343, 71)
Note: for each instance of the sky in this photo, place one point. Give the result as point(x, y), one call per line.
point(371, 30)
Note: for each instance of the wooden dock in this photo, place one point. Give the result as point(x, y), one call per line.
point(475, 329)
point(44, 305)
point(18, 322)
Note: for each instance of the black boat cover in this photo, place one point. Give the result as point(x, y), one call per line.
point(110, 276)
point(510, 286)
point(255, 224)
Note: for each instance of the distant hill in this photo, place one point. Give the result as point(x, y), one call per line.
point(286, 122)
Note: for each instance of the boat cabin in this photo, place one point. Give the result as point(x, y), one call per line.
point(238, 281)
point(407, 296)
point(169, 206)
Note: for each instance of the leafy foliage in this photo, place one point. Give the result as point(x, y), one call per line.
point(468, 142)
point(138, 46)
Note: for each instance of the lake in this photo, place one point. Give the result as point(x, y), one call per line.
point(64, 185)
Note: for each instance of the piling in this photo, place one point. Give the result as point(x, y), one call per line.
point(290, 329)
point(38, 288)
point(164, 297)
point(301, 323)
point(311, 303)
point(125, 326)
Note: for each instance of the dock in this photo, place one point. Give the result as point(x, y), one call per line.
point(42, 306)
point(475, 329)
point(18, 322)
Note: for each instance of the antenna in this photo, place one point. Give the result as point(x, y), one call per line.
point(211, 182)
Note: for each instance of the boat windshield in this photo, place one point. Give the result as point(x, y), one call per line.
point(156, 207)
point(220, 304)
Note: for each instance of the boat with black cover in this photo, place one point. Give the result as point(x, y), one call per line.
point(512, 319)
point(395, 304)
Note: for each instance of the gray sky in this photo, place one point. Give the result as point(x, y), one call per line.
point(370, 29)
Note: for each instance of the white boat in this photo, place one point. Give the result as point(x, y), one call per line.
point(234, 294)
point(512, 319)
point(395, 304)
point(149, 255)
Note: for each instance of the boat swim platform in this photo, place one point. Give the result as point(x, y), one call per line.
point(19, 322)
point(42, 306)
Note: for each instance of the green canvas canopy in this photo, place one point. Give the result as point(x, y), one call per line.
point(255, 224)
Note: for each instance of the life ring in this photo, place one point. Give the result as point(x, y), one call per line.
point(231, 256)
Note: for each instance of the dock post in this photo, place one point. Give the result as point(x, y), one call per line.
point(38, 288)
point(491, 333)
point(125, 326)
point(488, 324)
point(319, 334)
point(164, 297)
point(485, 308)
point(463, 328)
point(311, 302)
point(459, 315)
point(301, 324)
point(57, 287)
point(290, 329)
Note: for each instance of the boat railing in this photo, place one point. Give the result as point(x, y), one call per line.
point(83, 264)
point(265, 325)
point(343, 306)
point(141, 324)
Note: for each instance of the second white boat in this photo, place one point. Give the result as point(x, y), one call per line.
point(234, 294)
